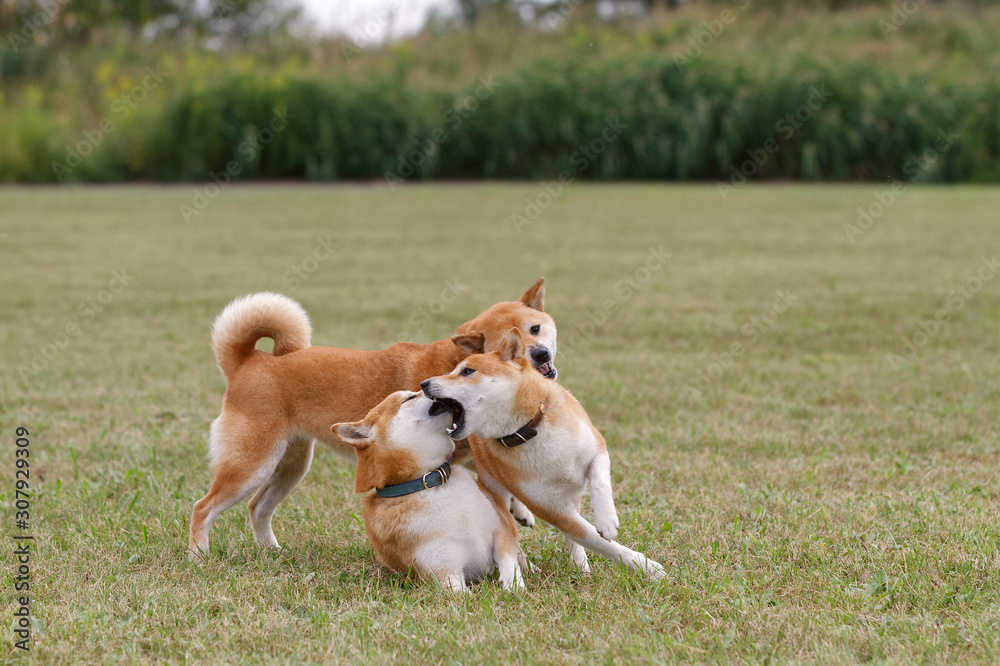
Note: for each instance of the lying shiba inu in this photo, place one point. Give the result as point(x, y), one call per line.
point(278, 402)
point(427, 516)
point(532, 439)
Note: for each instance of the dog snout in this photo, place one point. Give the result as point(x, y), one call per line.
point(428, 388)
point(541, 355)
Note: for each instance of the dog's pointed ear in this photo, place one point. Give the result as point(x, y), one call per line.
point(470, 343)
point(512, 348)
point(357, 434)
point(534, 298)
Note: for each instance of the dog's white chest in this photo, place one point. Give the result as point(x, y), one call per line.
point(454, 527)
point(561, 455)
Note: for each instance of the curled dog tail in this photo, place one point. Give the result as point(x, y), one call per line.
point(263, 315)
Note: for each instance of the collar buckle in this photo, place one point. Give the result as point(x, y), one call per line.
point(445, 472)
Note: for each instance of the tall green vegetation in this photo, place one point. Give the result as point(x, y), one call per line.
point(611, 119)
point(725, 91)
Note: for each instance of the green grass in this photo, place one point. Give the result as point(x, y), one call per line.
point(814, 502)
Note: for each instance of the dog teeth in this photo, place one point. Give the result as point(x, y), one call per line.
point(453, 427)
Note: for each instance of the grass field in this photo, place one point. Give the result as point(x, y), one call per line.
point(811, 453)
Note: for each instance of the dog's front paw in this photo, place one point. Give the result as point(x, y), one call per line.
point(607, 526)
point(521, 513)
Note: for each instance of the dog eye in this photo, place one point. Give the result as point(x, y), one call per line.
point(466, 372)
point(535, 329)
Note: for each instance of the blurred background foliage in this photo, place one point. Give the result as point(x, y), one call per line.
point(175, 90)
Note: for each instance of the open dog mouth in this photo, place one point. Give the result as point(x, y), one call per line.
point(442, 405)
point(547, 369)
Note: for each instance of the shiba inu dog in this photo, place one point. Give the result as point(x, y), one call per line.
point(533, 440)
point(427, 516)
point(538, 331)
point(277, 403)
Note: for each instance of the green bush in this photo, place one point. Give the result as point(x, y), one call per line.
point(697, 122)
point(291, 129)
point(612, 118)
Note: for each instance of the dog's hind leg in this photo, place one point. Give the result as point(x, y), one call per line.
point(288, 473)
point(244, 458)
point(574, 527)
point(616, 552)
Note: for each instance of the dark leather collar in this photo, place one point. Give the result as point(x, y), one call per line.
point(525, 432)
point(432, 479)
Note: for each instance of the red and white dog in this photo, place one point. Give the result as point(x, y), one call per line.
point(425, 515)
point(533, 440)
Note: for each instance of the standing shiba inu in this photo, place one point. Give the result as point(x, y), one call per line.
point(532, 439)
point(278, 402)
point(426, 515)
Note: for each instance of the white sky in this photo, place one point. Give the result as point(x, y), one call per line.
point(375, 16)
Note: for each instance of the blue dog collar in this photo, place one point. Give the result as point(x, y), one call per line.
point(432, 479)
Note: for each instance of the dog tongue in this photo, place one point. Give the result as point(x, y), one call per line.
point(545, 368)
